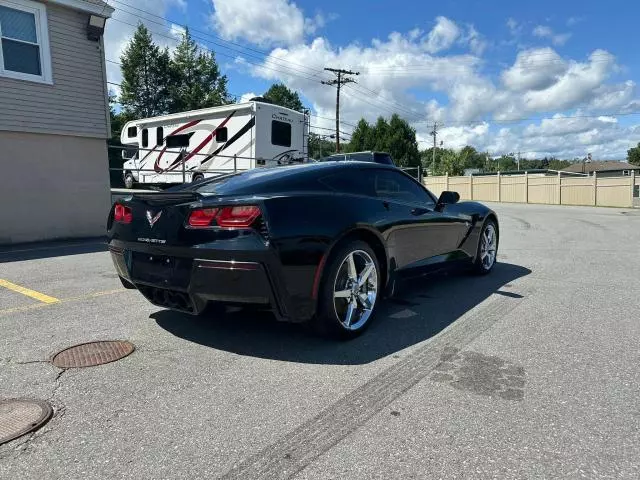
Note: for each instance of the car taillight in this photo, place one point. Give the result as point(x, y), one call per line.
point(122, 214)
point(202, 217)
point(226, 217)
point(238, 217)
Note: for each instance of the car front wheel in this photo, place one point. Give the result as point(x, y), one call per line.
point(487, 248)
point(349, 292)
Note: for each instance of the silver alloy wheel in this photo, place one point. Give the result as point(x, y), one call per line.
point(355, 290)
point(488, 247)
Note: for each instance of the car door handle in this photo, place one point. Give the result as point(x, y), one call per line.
point(385, 205)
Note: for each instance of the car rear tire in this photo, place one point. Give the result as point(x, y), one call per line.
point(349, 293)
point(487, 252)
point(197, 177)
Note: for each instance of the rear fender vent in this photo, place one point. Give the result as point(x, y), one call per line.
point(261, 227)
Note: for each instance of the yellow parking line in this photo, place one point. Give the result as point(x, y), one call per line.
point(38, 306)
point(29, 293)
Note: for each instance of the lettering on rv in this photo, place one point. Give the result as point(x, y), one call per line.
point(275, 116)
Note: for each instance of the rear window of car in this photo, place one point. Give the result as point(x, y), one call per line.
point(258, 181)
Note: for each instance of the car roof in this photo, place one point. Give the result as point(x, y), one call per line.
point(260, 177)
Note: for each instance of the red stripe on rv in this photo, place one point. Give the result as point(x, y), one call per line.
point(203, 144)
point(156, 165)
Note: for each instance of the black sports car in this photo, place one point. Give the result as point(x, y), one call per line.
point(316, 242)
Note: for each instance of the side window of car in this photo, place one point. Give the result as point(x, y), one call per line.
point(396, 186)
point(357, 182)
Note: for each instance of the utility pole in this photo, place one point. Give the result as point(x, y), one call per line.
point(518, 161)
point(434, 134)
point(338, 82)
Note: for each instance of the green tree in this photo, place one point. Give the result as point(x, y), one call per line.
point(146, 76)
point(451, 162)
point(395, 137)
point(401, 143)
point(502, 164)
point(472, 158)
point(633, 155)
point(320, 146)
point(279, 94)
point(427, 158)
point(555, 164)
point(360, 137)
point(196, 81)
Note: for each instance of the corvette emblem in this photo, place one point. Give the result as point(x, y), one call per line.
point(151, 219)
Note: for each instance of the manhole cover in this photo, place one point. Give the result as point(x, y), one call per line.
point(91, 354)
point(20, 416)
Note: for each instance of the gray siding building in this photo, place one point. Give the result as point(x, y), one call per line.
point(54, 120)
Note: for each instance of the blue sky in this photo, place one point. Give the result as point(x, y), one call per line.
point(545, 78)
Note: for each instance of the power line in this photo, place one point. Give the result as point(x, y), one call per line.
point(265, 66)
point(235, 96)
point(379, 105)
point(263, 54)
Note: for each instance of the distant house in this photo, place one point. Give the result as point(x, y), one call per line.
point(603, 169)
point(54, 119)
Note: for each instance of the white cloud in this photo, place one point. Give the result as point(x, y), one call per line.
point(572, 21)
point(264, 22)
point(458, 137)
point(247, 96)
point(564, 137)
point(534, 69)
point(612, 97)
point(559, 39)
point(514, 27)
point(442, 36)
point(576, 85)
point(177, 31)
point(561, 125)
point(477, 43)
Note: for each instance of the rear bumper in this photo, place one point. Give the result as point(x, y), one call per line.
point(189, 284)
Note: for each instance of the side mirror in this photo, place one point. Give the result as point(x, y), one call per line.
point(447, 198)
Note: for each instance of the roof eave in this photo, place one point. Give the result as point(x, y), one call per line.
point(102, 11)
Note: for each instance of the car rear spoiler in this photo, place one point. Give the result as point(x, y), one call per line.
point(167, 198)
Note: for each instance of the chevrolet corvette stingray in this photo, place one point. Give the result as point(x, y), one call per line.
point(321, 243)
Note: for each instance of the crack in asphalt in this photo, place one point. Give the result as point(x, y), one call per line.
point(295, 451)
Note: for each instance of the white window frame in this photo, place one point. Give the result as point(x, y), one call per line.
point(39, 10)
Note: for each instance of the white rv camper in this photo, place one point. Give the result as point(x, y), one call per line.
point(189, 146)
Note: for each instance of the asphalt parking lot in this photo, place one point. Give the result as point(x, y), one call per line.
point(530, 372)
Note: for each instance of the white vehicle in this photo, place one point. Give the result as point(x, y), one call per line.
point(190, 146)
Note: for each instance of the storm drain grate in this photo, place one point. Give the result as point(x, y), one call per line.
point(21, 416)
point(92, 354)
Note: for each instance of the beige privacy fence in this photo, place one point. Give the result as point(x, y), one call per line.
point(540, 188)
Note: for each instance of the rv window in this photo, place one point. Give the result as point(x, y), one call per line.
point(145, 138)
point(132, 132)
point(280, 133)
point(178, 141)
point(221, 135)
point(159, 136)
